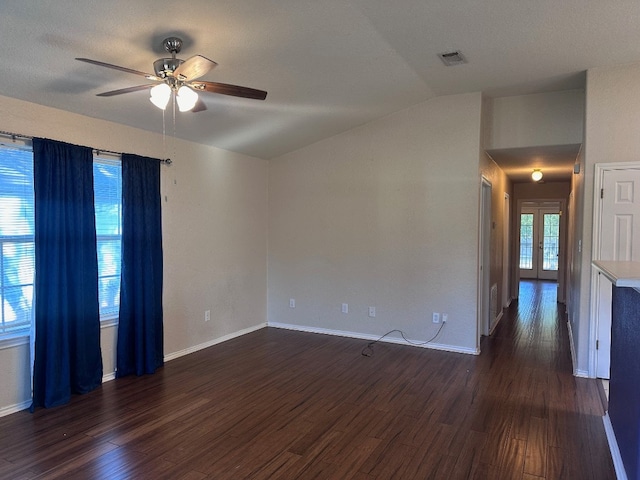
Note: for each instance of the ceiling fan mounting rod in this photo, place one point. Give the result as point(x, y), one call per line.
point(173, 45)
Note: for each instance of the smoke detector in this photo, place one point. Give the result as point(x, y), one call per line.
point(451, 59)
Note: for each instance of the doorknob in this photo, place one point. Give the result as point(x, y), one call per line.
point(540, 245)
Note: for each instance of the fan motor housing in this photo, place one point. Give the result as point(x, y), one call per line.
point(164, 67)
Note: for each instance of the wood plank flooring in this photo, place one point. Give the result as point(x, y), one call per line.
point(278, 404)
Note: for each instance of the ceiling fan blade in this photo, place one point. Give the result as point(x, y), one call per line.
point(116, 67)
point(194, 67)
point(226, 89)
point(125, 90)
point(200, 106)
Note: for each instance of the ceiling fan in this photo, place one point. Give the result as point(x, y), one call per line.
point(180, 78)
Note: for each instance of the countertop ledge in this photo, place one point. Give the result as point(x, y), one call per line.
point(621, 274)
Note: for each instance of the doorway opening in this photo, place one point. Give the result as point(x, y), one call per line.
point(539, 241)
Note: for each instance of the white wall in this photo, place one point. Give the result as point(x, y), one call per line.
point(214, 235)
point(612, 121)
point(554, 118)
point(384, 215)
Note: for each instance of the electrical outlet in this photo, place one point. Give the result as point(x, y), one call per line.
point(372, 312)
point(436, 317)
point(207, 315)
point(445, 317)
point(345, 308)
point(292, 303)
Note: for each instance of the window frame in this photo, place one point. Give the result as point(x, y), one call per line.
point(21, 336)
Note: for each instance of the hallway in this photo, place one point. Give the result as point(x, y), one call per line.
point(556, 417)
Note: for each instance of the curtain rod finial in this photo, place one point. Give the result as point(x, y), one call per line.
point(167, 161)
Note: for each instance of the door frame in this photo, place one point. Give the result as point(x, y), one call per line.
point(506, 252)
point(562, 257)
point(484, 260)
point(594, 303)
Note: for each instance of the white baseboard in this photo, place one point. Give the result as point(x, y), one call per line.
point(211, 343)
point(107, 377)
point(8, 410)
point(613, 447)
point(576, 371)
point(364, 336)
point(496, 322)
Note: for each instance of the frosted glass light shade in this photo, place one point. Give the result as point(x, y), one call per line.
point(186, 98)
point(160, 95)
point(536, 175)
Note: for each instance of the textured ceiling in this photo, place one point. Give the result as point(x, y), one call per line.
point(328, 65)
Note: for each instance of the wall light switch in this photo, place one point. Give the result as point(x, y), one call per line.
point(372, 312)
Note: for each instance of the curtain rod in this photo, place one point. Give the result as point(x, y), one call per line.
point(98, 151)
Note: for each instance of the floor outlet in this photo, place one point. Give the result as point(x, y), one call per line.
point(436, 317)
point(372, 312)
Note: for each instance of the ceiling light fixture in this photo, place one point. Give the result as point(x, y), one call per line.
point(186, 98)
point(160, 95)
point(536, 175)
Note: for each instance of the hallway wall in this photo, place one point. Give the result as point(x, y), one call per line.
point(611, 135)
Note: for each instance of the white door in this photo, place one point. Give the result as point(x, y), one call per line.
point(539, 243)
point(619, 239)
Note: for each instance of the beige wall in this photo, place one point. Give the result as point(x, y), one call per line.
point(554, 118)
point(214, 216)
point(500, 185)
point(611, 135)
point(384, 215)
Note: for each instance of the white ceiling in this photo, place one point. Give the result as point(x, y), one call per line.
point(328, 65)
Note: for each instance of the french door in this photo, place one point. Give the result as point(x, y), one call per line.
point(539, 242)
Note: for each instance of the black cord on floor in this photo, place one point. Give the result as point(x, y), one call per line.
point(367, 351)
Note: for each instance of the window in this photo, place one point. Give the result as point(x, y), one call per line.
point(550, 240)
point(526, 241)
point(17, 254)
point(17, 257)
point(107, 186)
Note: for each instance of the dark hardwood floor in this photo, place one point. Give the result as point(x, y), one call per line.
point(287, 405)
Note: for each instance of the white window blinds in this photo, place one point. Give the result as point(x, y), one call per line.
point(16, 239)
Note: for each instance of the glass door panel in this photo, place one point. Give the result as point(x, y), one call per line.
point(549, 244)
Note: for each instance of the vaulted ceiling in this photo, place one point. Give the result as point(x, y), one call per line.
point(327, 65)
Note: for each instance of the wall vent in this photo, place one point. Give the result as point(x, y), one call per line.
point(451, 59)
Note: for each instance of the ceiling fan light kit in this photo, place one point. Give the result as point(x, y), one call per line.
point(160, 95)
point(177, 78)
point(186, 98)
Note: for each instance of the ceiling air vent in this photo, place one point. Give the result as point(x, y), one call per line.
point(452, 58)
